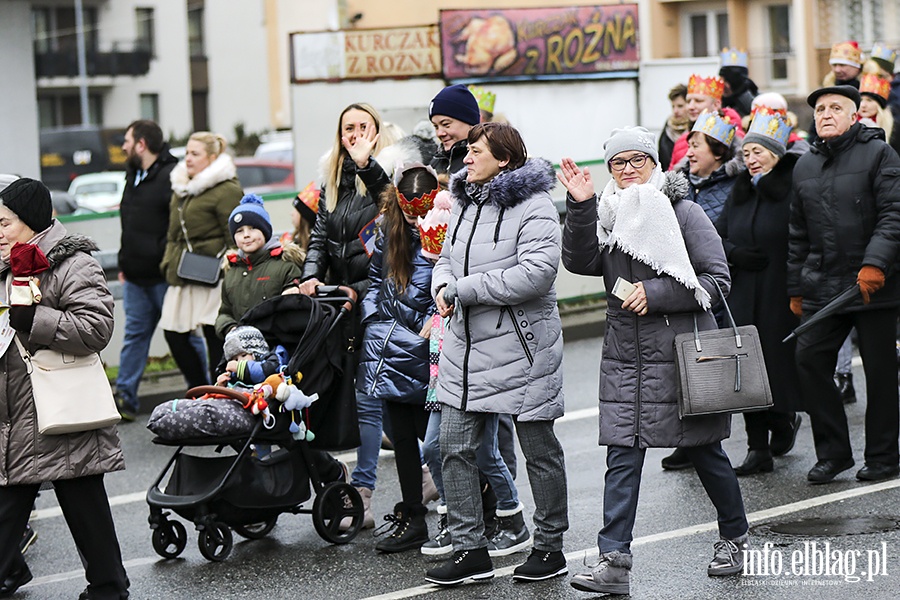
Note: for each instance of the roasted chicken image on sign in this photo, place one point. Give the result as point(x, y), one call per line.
point(490, 45)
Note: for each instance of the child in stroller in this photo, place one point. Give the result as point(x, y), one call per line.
point(246, 493)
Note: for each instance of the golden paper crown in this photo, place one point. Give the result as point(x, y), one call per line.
point(767, 110)
point(706, 86)
point(846, 53)
point(417, 207)
point(485, 98)
point(433, 239)
point(873, 84)
point(732, 57)
point(310, 196)
point(716, 127)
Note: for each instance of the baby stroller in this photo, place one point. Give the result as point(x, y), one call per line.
point(244, 493)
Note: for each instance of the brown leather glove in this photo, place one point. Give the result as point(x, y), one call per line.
point(797, 305)
point(870, 280)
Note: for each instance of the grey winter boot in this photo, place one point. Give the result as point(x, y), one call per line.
point(729, 556)
point(511, 535)
point(611, 576)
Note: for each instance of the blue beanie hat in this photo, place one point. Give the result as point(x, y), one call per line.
point(457, 102)
point(250, 212)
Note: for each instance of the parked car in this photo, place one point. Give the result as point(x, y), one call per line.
point(67, 152)
point(63, 203)
point(265, 176)
point(277, 145)
point(98, 192)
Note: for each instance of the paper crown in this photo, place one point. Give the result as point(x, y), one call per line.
point(307, 202)
point(873, 84)
point(420, 205)
point(732, 57)
point(706, 86)
point(772, 126)
point(767, 110)
point(884, 57)
point(846, 53)
point(485, 98)
point(433, 228)
point(716, 127)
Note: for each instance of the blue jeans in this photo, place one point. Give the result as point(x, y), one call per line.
point(487, 457)
point(143, 305)
point(370, 412)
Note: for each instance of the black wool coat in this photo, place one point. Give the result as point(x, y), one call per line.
point(845, 214)
point(757, 216)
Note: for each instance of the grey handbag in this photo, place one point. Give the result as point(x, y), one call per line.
point(721, 370)
point(197, 268)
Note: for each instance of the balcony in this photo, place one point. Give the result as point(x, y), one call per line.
point(65, 63)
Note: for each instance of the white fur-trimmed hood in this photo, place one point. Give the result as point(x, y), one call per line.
point(221, 169)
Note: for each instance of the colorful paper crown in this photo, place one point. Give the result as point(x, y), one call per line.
point(307, 202)
point(884, 56)
point(846, 53)
point(767, 110)
point(433, 239)
point(769, 103)
point(485, 98)
point(419, 206)
point(732, 57)
point(873, 84)
point(770, 126)
point(716, 127)
point(706, 86)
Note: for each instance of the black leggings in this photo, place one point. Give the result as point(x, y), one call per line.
point(187, 359)
point(409, 422)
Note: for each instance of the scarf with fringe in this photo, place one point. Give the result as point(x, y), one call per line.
point(641, 222)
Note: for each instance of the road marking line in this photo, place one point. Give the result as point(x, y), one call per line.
point(760, 515)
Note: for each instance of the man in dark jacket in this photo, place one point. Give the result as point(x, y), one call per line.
point(844, 231)
point(145, 220)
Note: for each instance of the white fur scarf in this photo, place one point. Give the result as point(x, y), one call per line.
point(641, 222)
point(219, 170)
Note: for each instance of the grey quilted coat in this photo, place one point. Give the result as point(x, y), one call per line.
point(503, 346)
point(74, 316)
point(638, 388)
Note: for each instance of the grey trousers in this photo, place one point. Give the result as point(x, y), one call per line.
point(544, 461)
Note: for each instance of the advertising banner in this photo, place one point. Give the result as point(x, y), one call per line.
point(540, 43)
point(366, 54)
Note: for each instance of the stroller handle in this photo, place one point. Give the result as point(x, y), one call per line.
point(324, 291)
point(200, 390)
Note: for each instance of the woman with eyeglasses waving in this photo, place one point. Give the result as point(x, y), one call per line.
point(643, 230)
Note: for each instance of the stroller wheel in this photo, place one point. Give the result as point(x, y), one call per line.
point(256, 531)
point(169, 539)
point(336, 501)
point(215, 541)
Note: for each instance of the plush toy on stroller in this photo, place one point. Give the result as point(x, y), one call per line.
point(294, 410)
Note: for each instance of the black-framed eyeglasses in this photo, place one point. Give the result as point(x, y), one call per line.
point(637, 161)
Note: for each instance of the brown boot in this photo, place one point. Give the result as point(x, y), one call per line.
point(368, 517)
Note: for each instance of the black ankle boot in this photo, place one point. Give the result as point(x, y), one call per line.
point(410, 530)
point(15, 579)
point(757, 461)
point(677, 460)
point(845, 387)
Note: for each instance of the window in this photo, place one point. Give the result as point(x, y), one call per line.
point(150, 107)
point(704, 33)
point(145, 30)
point(41, 30)
point(54, 29)
point(779, 40)
point(195, 31)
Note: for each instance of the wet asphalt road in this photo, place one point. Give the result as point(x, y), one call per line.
point(674, 532)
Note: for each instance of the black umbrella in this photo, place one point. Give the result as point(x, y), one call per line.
point(839, 302)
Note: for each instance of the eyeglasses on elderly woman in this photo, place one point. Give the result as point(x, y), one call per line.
point(637, 161)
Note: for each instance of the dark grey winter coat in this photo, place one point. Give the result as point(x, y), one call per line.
point(503, 346)
point(75, 316)
point(846, 214)
point(638, 389)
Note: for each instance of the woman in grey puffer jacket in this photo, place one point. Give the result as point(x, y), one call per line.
point(74, 316)
point(641, 229)
point(502, 350)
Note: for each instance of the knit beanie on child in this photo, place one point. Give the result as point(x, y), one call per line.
point(250, 212)
point(245, 339)
point(30, 200)
point(457, 102)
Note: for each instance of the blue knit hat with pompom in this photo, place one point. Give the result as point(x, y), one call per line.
point(250, 212)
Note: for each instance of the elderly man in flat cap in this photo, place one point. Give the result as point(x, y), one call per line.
point(845, 230)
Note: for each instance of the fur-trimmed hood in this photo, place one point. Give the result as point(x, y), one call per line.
point(221, 169)
point(68, 246)
point(510, 188)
